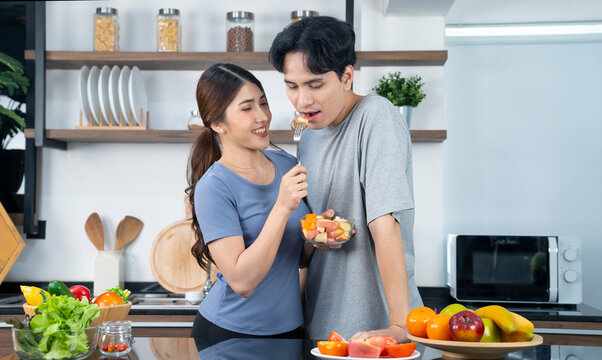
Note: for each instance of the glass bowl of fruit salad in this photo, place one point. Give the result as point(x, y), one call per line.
point(327, 232)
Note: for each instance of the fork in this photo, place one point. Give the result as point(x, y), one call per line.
point(297, 137)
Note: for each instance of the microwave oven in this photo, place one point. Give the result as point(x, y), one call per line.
point(517, 269)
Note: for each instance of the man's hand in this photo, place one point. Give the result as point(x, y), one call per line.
point(394, 331)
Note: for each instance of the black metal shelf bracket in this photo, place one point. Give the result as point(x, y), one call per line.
point(35, 116)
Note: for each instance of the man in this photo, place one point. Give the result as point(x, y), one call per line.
point(357, 150)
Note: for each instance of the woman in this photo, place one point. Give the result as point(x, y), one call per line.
point(247, 206)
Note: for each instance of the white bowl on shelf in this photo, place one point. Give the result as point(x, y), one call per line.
point(194, 297)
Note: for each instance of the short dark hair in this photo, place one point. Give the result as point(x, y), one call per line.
point(328, 43)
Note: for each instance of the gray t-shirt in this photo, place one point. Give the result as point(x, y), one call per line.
point(361, 168)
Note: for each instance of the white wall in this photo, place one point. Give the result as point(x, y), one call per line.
point(523, 154)
point(148, 180)
point(521, 11)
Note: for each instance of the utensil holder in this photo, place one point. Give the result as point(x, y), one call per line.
point(120, 126)
point(109, 271)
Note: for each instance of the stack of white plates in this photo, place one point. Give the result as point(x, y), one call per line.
point(112, 91)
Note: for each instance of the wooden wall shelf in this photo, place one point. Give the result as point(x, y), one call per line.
point(185, 136)
point(72, 60)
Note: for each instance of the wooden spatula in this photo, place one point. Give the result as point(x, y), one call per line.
point(118, 244)
point(95, 232)
point(128, 229)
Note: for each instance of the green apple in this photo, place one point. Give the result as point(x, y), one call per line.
point(452, 309)
point(491, 333)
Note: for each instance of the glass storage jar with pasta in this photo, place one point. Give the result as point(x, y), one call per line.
point(300, 14)
point(239, 29)
point(169, 30)
point(106, 29)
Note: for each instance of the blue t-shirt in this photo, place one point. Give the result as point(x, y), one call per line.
point(228, 205)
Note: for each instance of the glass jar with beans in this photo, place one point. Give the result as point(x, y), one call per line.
point(239, 31)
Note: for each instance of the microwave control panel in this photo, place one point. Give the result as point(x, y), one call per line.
point(569, 270)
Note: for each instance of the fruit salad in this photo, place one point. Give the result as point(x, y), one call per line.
point(373, 347)
point(300, 120)
point(326, 231)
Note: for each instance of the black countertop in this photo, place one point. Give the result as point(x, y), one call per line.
point(433, 297)
point(293, 349)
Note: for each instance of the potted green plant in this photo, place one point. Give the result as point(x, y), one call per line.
point(403, 92)
point(13, 87)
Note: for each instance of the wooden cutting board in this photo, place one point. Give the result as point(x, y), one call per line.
point(174, 349)
point(172, 263)
point(11, 243)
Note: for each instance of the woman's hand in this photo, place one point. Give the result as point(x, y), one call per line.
point(398, 332)
point(293, 188)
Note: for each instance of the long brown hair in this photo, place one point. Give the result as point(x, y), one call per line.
point(216, 89)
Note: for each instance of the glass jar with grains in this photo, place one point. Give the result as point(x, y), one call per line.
point(106, 29)
point(239, 29)
point(300, 14)
point(169, 30)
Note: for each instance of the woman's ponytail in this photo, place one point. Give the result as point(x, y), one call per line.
point(205, 151)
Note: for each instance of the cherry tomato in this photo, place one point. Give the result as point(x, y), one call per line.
point(334, 348)
point(400, 350)
point(111, 348)
point(122, 347)
point(334, 336)
point(104, 347)
point(108, 298)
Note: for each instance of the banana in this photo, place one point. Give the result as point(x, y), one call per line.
point(500, 316)
point(524, 332)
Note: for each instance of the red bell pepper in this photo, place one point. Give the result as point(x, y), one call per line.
point(80, 292)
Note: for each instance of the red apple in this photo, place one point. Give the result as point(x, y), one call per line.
point(466, 326)
point(363, 349)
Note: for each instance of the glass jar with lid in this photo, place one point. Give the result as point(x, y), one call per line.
point(115, 339)
point(106, 29)
point(300, 14)
point(169, 30)
point(239, 31)
point(195, 122)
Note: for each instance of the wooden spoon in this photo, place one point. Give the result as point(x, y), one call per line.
point(129, 228)
point(95, 231)
point(118, 244)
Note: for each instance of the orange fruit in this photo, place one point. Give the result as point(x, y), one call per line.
point(107, 299)
point(417, 320)
point(438, 327)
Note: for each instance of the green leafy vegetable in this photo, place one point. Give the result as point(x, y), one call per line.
point(57, 330)
point(123, 293)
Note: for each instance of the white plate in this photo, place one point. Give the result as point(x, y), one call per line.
point(315, 352)
point(103, 94)
point(93, 93)
point(114, 93)
point(124, 98)
point(137, 92)
point(83, 94)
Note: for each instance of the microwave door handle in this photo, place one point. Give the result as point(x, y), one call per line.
point(553, 270)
